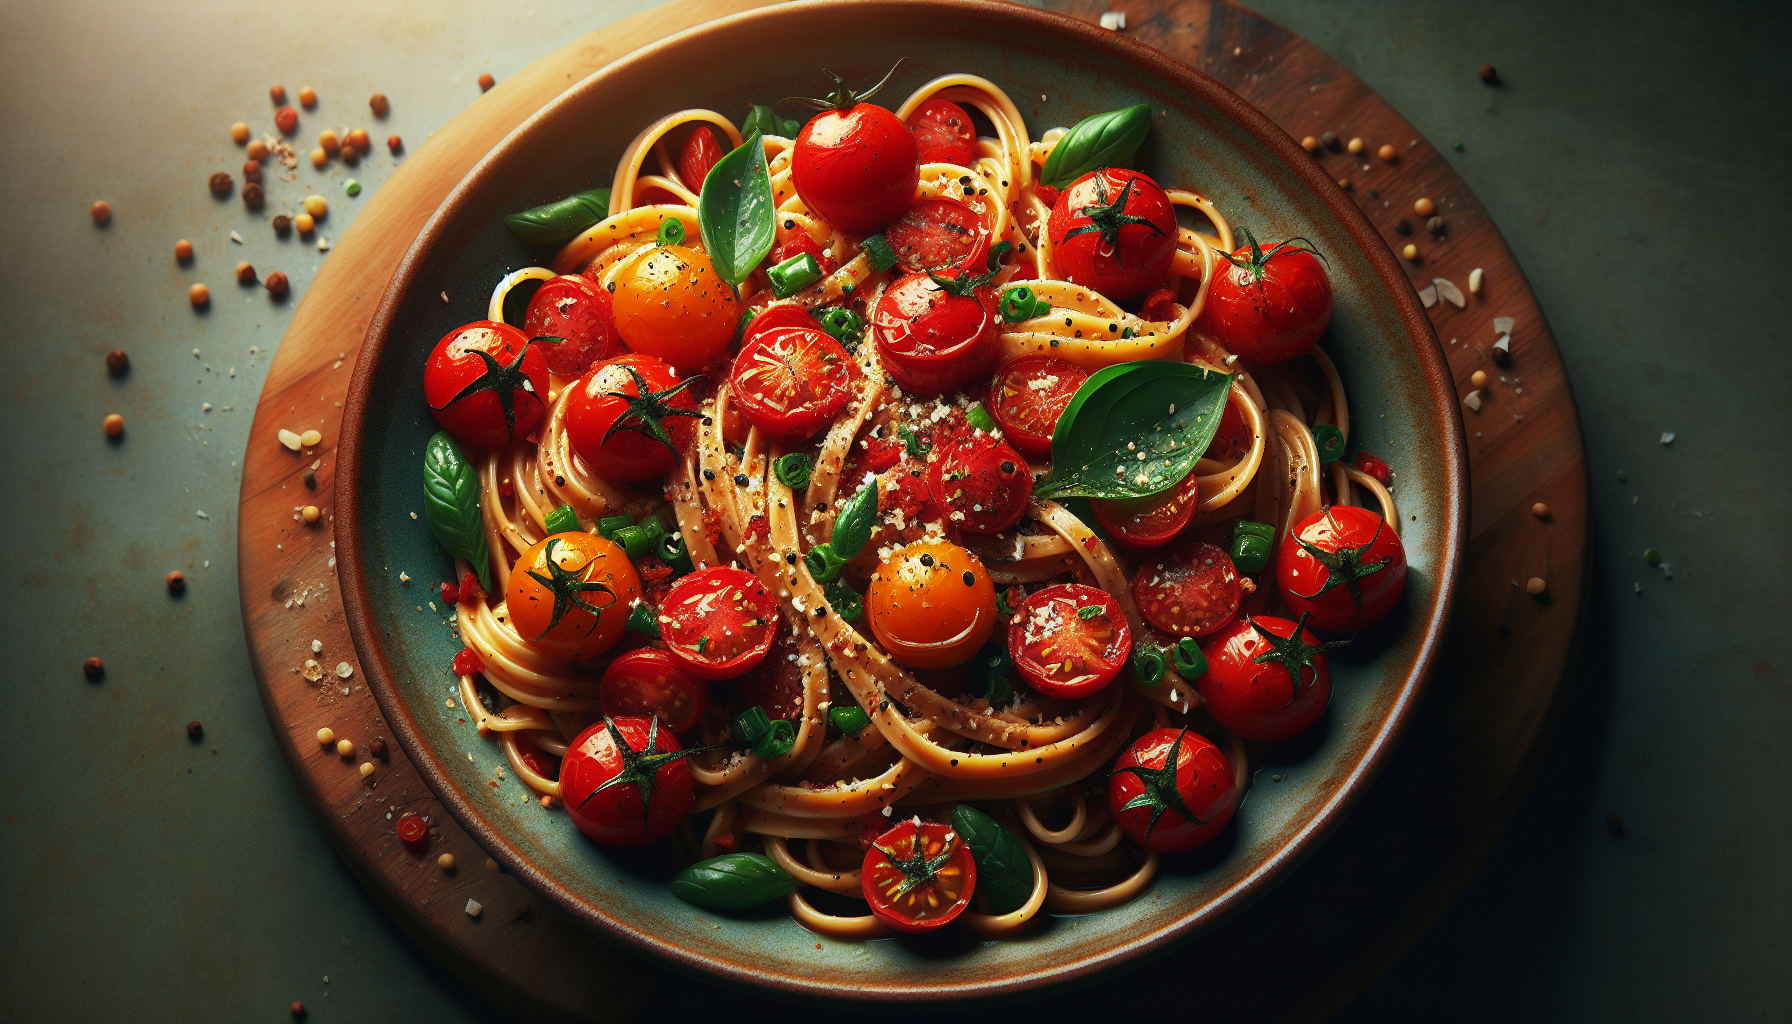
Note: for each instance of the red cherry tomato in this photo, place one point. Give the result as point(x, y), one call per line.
point(934, 342)
point(648, 683)
point(1366, 463)
point(791, 381)
point(700, 153)
point(1170, 807)
point(776, 684)
point(1190, 591)
point(1028, 395)
point(789, 315)
point(486, 385)
point(980, 484)
point(651, 410)
point(1160, 305)
point(918, 876)
point(798, 243)
point(1149, 522)
point(578, 312)
point(1069, 640)
point(601, 778)
point(1259, 700)
point(538, 760)
point(466, 662)
point(1271, 308)
point(1113, 230)
point(943, 133)
point(855, 168)
point(723, 622)
point(934, 234)
point(1343, 566)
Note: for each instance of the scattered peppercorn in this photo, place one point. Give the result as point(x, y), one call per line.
point(94, 668)
point(1478, 378)
point(345, 747)
point(329, 141)
point(282, 225)
point(298, 1008)
point(486, 81)
point(309, 478)
point(1535, 585)
point(307, 97)
point(1615, 823)
point(1435, 225)
point(277, 94)
point(287, 120)
point(177, 583)
point(304, 223)
point(1373, 194)
point(1402, 227)
point(1457, 146)
point(183, 250)
point(358, 139)
point(1310, 144)
point(1330, 141)
point(315, 205)
point(199, 295)
point(379, 104)
point(117, 362)
point(253, 197)
point(1344, 183)
point(1489, 75)
point(1387, 153)
point(113, 425)
point(326, 736)
point(245, 274)
point(100, 211)
point(195, 731)
point(445, 862)
point(276, 284)
point(239, 133)
point(319, 157)
point(1411, 253)
point(252, 171)
point(258, 150)
point(350, 155)
point(310, 513)
point(377, 747)
point(1540, 510)
point(1422, 207)
point(1355, 146)
point(220, 184)
point(1499, 355)
point(394, 143)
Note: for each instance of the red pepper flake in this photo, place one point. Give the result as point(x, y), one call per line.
point(470, 590)
point(1159, 305)
point(450, 594)
point(728, 841)
point(1373, 466)
point(1047, 194)
point(467, 662)
point(505, 489)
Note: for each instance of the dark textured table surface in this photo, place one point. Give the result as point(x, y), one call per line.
point(1635, 157)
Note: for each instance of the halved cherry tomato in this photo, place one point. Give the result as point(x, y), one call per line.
point(943, 133)
point(931, 604)
point(486, 385)
point(798, 243)
point(722, 622)
point(570, 594)
point(1069, 640)
point(1233, 439)
point(777, 683)
point(918, 876)
point(648, 683)
point(1373, 466)
point(1255, 696)
point(669, 303)
point(980, 484)
point(855, 168)
point(1028, 395)
point(1172, 806)
point(934, 234)
point(934, 342)
point(1343, 566)
point(1271, 306)
point(1190, 591)
point(577, 312)
point(631, 418)
point(1149, 522)
point(782, 315)
point(1114, 230)
point(792, 381)
point(602, 776)
point(701, 151)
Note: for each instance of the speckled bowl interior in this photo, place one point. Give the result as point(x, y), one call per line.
point(1058, 71)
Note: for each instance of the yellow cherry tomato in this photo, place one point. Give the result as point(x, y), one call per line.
point(570, 595)
point(669, 303)
point(931, 604)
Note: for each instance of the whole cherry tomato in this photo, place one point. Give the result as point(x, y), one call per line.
point(980, 484)
point(855, 165)
point(1113, 230)
point(1269, 306)
point(570, 593)
point(918, 876)
point(577, 312)
point(631, 418)
point(1262, 681)
point(931, 604)
point(1192, 590)
point(722, 621)
point(1027, 395)
point(701, 151)
point(625, 781)
point(669, 303)
point(1069, 640)
point(936, 339)
point(791, 381)
point(943, 133)
point(1172, 790)
point(648, 683)
point(935, 234)
point(486, 385)
point(1149, 522)
point(1342, 566)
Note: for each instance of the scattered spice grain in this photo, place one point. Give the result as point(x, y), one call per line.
point(486, 81)
point(304, 223)
point(1355, 146)
point(379, 104)
point(1388, 153)
point(277, 94)
point(297, 1008)
point(199, 295)
point(282, 225)
point(239, 133)
point(287, 120)
point(377, 747)
point(394, 143)
point(177, 583)
point(252, 171)
point(183, 250)
point(253, 196)
point(1330, 141)
point(316, 206)
point(245, 274)
point(1535, 585)
point(94, 668)
point(113, 424)
point(1540, 510)
point(1478, 378)
point(445, 862)
point(310, 513)
point(1410, 253)
point(100, 211)
point(1310, 144)
point(276, 284)
point(1423, 207)
point(326, 736)
point(1489, 75)
point(195, 731)
point(307, 97)
point(220, 183)
point(345, 747)
point(117, 362)
point(258, 150)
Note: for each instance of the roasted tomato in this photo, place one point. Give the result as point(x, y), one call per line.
point(570, 594)
point(1069, 640)
point(1113, 230)
point(1190, 591)
point(701, 151)
point(722, 621)
point(1342, 566)
point(1172, 790)
point(918, 876)
point(980, 484)
point(648, 683)
point(943, 133)
point(486, 385)
point(625, 781)
point(1269, 306)
point(1149, 522)
point(791, 381)
point(577, 312)
point(931, 604)
point(932, 340)
point(669, 303)
point(1028, 395)
point(935, 234)
point(855, 166)
point(1262, 682)
point(631, 418)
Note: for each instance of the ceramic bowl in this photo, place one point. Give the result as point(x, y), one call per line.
point(1058, 70)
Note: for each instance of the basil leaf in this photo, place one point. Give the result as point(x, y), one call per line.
point(1004, 874)
point(765, 121)
point(451, 505)
point(560, 222)
point(735, 881)
point(736, 212)
point(852, 530)
point(1134, 430)
point(1105, 140)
